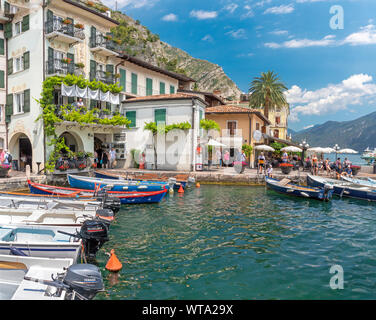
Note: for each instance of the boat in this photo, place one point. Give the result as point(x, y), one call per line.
point(176, 181)
point(73, 193)
point(286, 187)
point(89, 183)
point(34, 278)
point(39, 241)
point(344, 188)
point(369, 156)
point(366, 183)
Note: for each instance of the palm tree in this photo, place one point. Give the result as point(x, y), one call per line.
point(267, 93)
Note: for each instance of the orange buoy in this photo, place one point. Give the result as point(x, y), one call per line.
point(113, 264)
point(197, 185)
point(181, 190)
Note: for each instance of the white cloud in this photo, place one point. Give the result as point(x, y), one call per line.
point(303, 43)
point(202, 15)
point(237, 34)
point(231, 7)
point(282, 9)
point(248, 13)
point(208, 38)
point(279, 32)
point(245, 55)
point(358, 89)
point(170, 17)
point(308, 127)
point(262, 2)
point(366, 35)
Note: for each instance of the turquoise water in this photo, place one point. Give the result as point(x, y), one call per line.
point(226, 242)
point(354, 158)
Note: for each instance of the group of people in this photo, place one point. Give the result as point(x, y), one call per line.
point(105, 158)
point(5, 157)
point(337, 167)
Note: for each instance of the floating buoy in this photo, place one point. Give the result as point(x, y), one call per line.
point(197, 185)
point(113, 264)
point(181, 190)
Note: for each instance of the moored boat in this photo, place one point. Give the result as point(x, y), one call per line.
point(73, 193)
point(89, 183)
point(286, 187)
point(361, 182)
point(344, 188)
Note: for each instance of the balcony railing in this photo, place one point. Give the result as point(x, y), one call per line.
point(70, 30)
point(101, 42)
point(58, 66)
point(103, 76)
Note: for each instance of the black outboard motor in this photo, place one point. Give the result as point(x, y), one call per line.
point(80, 281)
point(112, 203)
point(105, 215)
point(328, 192)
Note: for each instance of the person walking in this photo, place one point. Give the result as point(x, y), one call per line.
point(261, 162)
point(315, 164)
point(105, 159)
point(112, 158)
point(226, 158)
point(219, 158)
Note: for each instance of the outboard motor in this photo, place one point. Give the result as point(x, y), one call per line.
point(328, 191)
point(94, 233)
point(105, 215)
point(80, 281)
point(112, 203)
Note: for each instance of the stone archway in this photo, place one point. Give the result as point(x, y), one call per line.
point(21, 149)
point(73, 141)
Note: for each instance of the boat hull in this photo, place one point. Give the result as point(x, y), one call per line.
point(299, 191)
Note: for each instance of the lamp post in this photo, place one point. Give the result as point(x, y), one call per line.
point(304, 145)
point(336, 148)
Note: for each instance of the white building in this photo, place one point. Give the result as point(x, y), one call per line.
point(3, 64)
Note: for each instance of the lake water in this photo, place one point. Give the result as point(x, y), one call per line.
point(232, 242)
point(354, 158)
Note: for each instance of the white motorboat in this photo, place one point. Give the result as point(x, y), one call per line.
point(29, 278)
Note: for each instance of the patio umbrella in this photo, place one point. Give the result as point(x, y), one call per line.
point(329, 150)
point(291, 149)
point(316, 150)
point(215, 143)
point(264, 147)
point(347, 151)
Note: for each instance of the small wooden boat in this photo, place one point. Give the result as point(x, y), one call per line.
point(39, 241)
point(361, 182)
point(344, 188)
point(286, 187)
point(90, 183)
point(176, 181)
point(72, 193)
point(34, 278)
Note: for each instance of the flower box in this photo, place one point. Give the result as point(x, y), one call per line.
point(66, 60)
point(67, 21)
point(286, 167)
point(80, 65)
point(79, 26)
point(81, 166)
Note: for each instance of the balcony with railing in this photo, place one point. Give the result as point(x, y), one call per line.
point(64, 31)
point(12, 7)
point(62, 67)
point(104, 45)
point(103, 76)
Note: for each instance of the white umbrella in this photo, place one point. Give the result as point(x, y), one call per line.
point(329, 150)
point(291, 149)
point(347, 151)
point(264, 147)
point(215, 143)
point(316, 149)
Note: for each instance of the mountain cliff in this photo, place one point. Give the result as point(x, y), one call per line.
point(139, 41)
point(357, 134)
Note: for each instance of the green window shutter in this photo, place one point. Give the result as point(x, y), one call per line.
point(50, 21)
point(70, 27)
point(9, 107)
point(93, 69)
point(2, 48)
point(149, 86)
point(51, 62)
point(172, 89)
point(160, 116)
point(1, 26)
point(2, 79)
point(93, 104)
point(27, 100)
point(71, 64)
point(25, 23)
point(93, 37)
point(162, 88)
point(110, 68)
point(10, 66)
point(26, 60)
point(201, 115)
point(8, 30)
point(123, 78)
point(108, 106)
point(131, 116)
point(6, 7)
point(134, 83)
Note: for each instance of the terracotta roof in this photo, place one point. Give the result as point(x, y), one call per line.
point(209, 94)
point(175, 96)
point(230, 108)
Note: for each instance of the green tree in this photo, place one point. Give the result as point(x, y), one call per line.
point(267, 93)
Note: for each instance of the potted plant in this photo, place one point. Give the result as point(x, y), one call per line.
point(117, 75)
point(286, 167)
point(81, 166)
point(4, 169)
point(108, 37)
point(63, 167)
point(90, 3)
point(66, 60)
point(80, 65)
point(355, 170)
point(67, 21)
point(79, 26)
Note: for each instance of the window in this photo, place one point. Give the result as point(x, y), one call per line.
point(2, 79)
point(19, 102)
point(2, 48)
point(123, 79)
point(277, 120)
point(1, 26)
point(162, 88)
point(1, 112)
point(160, 116)
point(134, 83)
point(231, 127)
point(172, 89)
point(18, 28)
point(257, 126)
point(276, 133)
point(131, 116)
point(149, 86)
point(18, 64)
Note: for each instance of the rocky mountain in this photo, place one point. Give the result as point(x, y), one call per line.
point(139, 41)
point(357, 134)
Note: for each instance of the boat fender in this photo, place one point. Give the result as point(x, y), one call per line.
point(304, 194)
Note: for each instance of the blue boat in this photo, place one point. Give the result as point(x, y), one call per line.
point(343, 188)
point(172, 181)
point(125, 197)
point(90, 183)
point(286, 187)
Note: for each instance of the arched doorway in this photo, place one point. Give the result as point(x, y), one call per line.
point(21, 150)
point(98, 149)
point(70, 141)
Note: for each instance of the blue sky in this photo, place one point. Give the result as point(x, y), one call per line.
point(330, 72)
